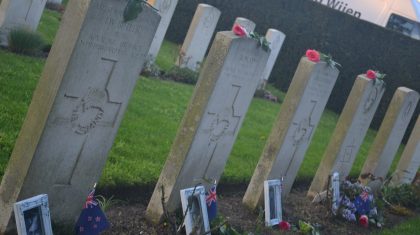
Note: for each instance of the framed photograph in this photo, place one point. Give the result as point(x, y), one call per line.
point(272, 202)
point(335, 190)
point(194, 203)
point(33, 216)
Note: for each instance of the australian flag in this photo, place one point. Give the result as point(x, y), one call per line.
point(416, 6)
point(92, 220)
point(211, 201)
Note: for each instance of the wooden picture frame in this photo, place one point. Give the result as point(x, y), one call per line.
point(33, 216)
point(195, 200)
point(272, 202)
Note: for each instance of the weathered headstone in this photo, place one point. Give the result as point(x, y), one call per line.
point(294, 127)
point(349, 132)
point(410, 159)
point(19, 14)
point(276, 39)
point(247, 24)
point(77, 106)
point(212, 121)
point(198, 37)
point(391, 133)
point(166, 10)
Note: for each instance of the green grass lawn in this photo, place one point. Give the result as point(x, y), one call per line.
point(151, 121)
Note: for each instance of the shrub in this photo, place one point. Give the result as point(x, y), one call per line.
point(25, 42)
point(183, 75)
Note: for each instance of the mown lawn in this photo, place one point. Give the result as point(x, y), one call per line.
point(151, 121)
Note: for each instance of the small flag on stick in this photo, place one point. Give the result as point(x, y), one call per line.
point(92, 220)
point(211, 201)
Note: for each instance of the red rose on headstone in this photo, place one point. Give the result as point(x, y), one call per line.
point(371, 74)
point(364, 221)
point(313, 55)
point(239, 30)
point(284, 225)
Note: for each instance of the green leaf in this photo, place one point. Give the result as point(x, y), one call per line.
point(132, 10)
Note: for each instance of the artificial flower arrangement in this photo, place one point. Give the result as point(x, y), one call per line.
point(357, 204)
point(316, 56)
point(240, 31)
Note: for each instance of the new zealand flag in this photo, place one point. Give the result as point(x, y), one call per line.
point(211, 201)
point(416, 6)
point(92, 220)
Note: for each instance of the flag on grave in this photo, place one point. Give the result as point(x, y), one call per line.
point(211, 201)
point(92, 220)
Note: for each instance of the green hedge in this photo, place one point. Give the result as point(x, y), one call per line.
point(356, 44)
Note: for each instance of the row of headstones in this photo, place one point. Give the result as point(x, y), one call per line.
point(201, 31)
point(80, 100)
point(202, 146)
point(57, 151)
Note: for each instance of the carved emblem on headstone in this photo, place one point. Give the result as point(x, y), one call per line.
point(370, 101)
point(88, 112)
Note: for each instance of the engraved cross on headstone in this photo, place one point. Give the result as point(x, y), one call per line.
point(302, 130)
point(222, 124)
point(92, 107)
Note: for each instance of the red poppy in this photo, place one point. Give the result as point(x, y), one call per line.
point(364, 221)
point(239, 30)
point(313, 55)
point(371, 74)
point(284, 225)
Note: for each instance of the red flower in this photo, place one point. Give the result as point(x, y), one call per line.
point(371, 74)
point(284, 225)
point(313, 55)
point(364, 221)
point(239, 30)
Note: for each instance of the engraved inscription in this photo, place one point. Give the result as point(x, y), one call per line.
point(407, 110)
point(209, 19)
point(29, 9)
point(165, 6)
point(373, 96)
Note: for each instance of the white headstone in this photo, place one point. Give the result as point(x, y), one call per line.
point(198, 37)
point(78, 106)
point(294, 128)
point(247, 24)
point(391, 133)
point(349, 132)
point(19, 14)
point(410, 159)
point(166, 10)
point(276, 39)
point(212, 121)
